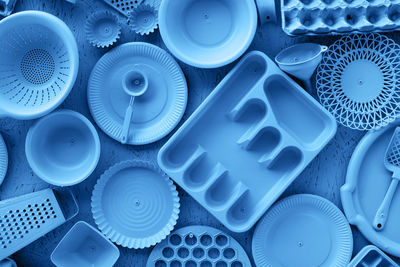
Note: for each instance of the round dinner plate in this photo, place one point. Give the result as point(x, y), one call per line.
point(157, 112)
point(303, 231)
point(367, 182)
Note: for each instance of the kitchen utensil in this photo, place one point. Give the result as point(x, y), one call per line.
point(6, 7)
point(392, 163)
point(266, 11)
point(207, 34)
point(301, 60)
point(7, 262)
point(39, 64)
point(135, 204)
point(157, 112)
point(313, 17)
point(357, 81)
point(28, 217)
point(370, 256)
point(84, 246)
point(198, 245)
point(135, 84)
point(102, 29)
point(3, 159)
point(63, 148)
point(123, 6)
point(303, 230)
point(362, 192)
point(252, 123)
point(143, 19)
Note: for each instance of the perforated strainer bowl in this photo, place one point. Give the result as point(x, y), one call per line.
point(38, 66)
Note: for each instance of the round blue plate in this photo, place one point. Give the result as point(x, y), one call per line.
point(367, 182)
point(156, 112)
point(3, 159)
point(303, 230)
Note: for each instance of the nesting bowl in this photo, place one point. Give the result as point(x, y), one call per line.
point(207, 33)
point(63, 148)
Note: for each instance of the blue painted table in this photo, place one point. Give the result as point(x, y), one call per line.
point(324, 176)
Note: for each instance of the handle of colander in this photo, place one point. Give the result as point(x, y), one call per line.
point(383, 211)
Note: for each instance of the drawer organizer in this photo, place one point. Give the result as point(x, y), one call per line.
point(247, 142)
point(339, 16)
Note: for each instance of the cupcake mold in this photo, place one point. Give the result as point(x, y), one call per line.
point(135, 204)
point(313, 17)
point(247, 142)
point(198, 246)
point(102, 29)
point(143, 19)
point(357, 81)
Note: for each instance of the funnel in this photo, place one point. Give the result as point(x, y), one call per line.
point(301, 60)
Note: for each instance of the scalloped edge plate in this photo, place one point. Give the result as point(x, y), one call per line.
point(324, 210)
point(101, 220)
point(3, 159)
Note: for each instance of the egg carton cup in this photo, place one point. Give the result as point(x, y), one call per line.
point(314, 17)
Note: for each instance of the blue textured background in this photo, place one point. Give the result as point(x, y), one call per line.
point(323, 176)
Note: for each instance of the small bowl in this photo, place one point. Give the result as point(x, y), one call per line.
point(84, 246)
point(63, 148)
point(208, 33)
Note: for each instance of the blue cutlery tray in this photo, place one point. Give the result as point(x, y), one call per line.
point(247, 142)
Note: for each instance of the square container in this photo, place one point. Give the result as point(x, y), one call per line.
point(84, 246)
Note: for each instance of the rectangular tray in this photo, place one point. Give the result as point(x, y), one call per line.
point(314, 17)
point(247, 142)
point(371, 256)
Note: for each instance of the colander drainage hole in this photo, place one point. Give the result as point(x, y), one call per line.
point(37, 66)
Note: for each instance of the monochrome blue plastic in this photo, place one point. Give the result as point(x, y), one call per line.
point(3, 159)
point(247, 142)
point(31, 216)
point(123, 6)
point(303, 230)
point(311, 17)
point(392, 163)
point(135, 204)
point(6, 7)
point(367, 182)
point(157, 112)
point(63, 148)
point(102, 29)
point(7, 262)
point(198, 245)
point(301, 60)
point(357, 81)
point(266, 11)
point(207, 33)
point(84, 246)
point(143, 19)
point(39, 64)
point(371, 256)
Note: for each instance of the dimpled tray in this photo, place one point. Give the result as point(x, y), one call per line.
point(311, 17)
point(197, 245)
point(247, 142)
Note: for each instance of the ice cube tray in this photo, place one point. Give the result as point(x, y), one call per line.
point(371, 256)
point(198, 245)
point(247, 142)
point(28, 217)
point(312, 17)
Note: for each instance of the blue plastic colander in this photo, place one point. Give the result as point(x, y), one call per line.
point(39, 64)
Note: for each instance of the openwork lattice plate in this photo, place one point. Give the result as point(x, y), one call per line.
point(358, 81)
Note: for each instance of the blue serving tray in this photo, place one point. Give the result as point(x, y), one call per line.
point(247, 142)
point(371, 256)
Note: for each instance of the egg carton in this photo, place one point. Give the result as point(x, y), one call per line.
point(314, 17)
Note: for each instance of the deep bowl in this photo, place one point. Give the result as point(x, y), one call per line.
point(207, 33)
point(63, 148)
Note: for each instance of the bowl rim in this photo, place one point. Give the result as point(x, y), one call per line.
point(59, 28)
point(186, 58)
point(37, 126)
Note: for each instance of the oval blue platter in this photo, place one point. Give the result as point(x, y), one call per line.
point(367, 181)
point(157, 112)
point(303, 230)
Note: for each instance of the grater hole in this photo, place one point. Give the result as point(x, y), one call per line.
point(37, 66)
